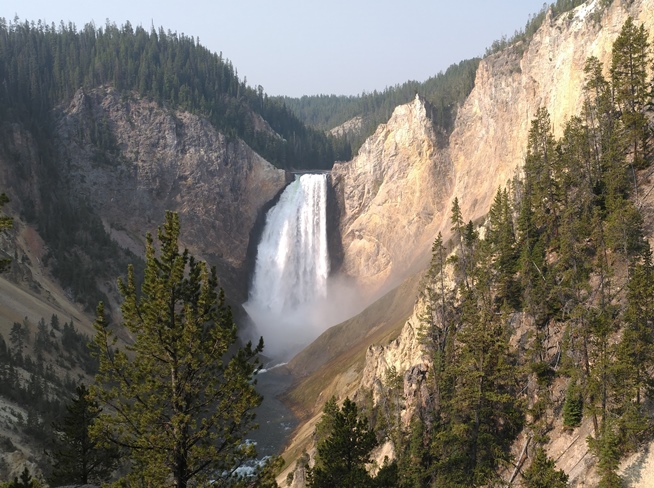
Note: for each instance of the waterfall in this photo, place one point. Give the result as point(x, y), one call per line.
point(289, 285)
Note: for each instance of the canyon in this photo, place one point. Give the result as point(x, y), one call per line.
point(385, 206)
point(396, 194)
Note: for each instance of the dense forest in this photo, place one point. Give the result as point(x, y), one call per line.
point(444, 91)
point(40, 371)
point(44, 65)
point(553, 292)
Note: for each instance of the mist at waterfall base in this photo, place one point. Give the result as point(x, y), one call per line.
point(292, 299)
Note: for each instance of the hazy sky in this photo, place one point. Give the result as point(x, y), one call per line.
point(306, 47)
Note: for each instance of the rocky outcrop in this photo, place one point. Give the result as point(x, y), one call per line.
point(407, 357)
point(348, 128)
point(487, 148)
point(488, 145)
point(396, 194)
point(390, 195)
point(133, 160)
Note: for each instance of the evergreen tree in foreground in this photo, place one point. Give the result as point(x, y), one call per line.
point(543, 473)
point(180, 398)
point(343, 455)
point(77, 458)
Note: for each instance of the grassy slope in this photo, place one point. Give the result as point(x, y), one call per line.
point(39, 296)
point(332, 363)
point(383, 318)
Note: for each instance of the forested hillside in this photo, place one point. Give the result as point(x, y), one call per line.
point(444, 91)
point(541, 318)
point(44, 65)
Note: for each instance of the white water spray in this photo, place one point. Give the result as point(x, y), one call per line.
point(290, 278)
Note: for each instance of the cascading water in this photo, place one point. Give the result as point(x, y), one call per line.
point(292, 266)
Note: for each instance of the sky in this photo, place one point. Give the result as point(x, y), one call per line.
point(308, 47)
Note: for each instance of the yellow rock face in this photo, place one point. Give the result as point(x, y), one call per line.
point(390, 196)
point(395, 195)
point(488, 145)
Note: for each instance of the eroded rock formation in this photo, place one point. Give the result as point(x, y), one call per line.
point(133, 160)
point(390, 196)
point(396, 194)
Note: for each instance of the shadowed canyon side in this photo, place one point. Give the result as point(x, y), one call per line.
point(125, 160)
point(168, 160)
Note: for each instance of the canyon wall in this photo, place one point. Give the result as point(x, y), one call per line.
point(396, 194)
point(390, 196)
point(133, 160)
point(487, 147)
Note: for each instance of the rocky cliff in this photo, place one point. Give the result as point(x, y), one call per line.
point(133, 160)
point(488, 144)
point(395, 196)
point(391, 195)
point(487, 147)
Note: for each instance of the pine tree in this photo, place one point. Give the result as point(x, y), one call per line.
point(532, 264)
point(24, 481)
point(479, 415)
point(635, 354)
point(181, 398)
point(5, 223)
point(630, 63)
point(501, 238)
point(415, 459)
point(387, 476)
point(458, 231)
point(599, 115)
point(438, 317)
point(543, 175)
point(543, 473)
point(342, 457)
point(608, 451)
point(573, 405)
point(77, 458)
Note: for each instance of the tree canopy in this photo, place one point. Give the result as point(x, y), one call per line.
point(344, 453)
point(181, 396)
point(44, 65)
